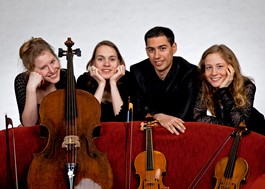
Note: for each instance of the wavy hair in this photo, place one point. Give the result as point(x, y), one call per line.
point(237, 85)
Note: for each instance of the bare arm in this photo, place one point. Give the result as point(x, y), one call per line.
point(115, 94)
point(101, 83)
point(30, 114)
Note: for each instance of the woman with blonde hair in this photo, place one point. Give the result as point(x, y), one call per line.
point(42, 75)
point(226, 96)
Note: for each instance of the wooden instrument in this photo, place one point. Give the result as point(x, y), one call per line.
point(70, 158)
point(231, 172)
point(150, 165)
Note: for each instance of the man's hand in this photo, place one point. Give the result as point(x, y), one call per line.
point(171, 123)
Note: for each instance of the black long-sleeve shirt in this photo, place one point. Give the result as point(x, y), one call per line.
point(227, 113)
point(175, 95)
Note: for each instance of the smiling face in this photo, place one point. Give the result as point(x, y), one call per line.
point(160, 54)
point(48, 66)
point(215, 69)
point(106, 60)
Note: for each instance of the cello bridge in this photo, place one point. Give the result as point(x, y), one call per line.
point(70, 140)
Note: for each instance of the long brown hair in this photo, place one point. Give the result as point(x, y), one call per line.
point(237, 85)
point(107, 43)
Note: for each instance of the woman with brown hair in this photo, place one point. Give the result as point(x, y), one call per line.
point(108, 80)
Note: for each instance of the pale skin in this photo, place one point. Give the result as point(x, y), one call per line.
point(106, 70)
point(160, 54)
point(41, 82)
point(218, 72)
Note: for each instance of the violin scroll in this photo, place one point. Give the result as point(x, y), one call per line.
point(150, 122)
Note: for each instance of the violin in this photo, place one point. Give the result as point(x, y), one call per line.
point(150, 165)
point(70, 158)
point(231, 172)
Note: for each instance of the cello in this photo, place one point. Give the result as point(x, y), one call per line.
point(150, 165)
point(70, 159)
point(231, 172)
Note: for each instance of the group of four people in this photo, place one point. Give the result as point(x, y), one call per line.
point(168, 87)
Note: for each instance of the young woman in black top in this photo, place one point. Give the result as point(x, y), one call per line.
point(107, 79)
point(43, 75)
point(226, 96)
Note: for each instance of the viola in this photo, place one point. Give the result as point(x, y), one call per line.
point(150, 165)
point(70, 158)
point(231, 172)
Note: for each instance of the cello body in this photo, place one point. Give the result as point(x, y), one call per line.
point(47, 169)
point(70, 159)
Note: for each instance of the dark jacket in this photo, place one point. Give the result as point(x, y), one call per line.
point(174, 96)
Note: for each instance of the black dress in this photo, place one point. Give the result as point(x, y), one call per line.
point(228, 114)
point(89, 84)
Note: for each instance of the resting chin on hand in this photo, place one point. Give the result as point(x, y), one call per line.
point(173, 124)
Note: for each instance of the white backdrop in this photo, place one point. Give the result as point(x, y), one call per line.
point(196, 24)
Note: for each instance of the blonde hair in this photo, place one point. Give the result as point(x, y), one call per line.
point(236, 87)
point(31, 49)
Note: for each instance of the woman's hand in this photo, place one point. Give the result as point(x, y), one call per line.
point(35, 80)
point(95, 74)
point(229, 78)
point(119, 72)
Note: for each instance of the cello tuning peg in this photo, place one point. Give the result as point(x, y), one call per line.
point(77, 52)
point(61, 52)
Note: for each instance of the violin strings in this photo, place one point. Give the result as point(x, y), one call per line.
point(206, 166)
point(231, 161)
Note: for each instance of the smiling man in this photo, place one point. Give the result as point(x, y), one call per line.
point(164, 85)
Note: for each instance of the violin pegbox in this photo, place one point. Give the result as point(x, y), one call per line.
point(150, 122)
point(241, 130)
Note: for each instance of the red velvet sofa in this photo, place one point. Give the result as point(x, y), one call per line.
point(185, 154)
